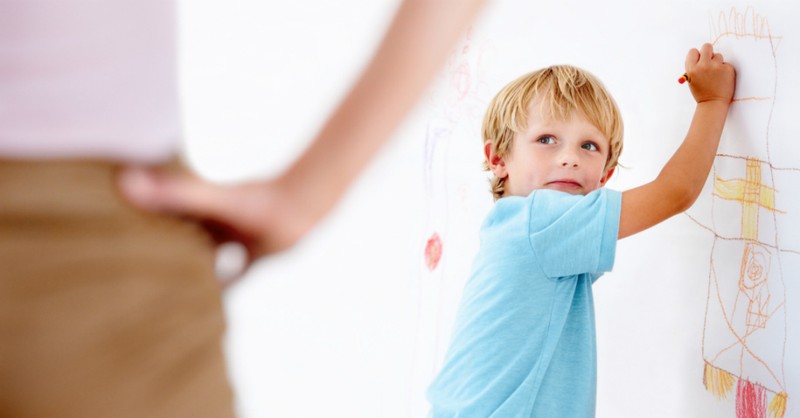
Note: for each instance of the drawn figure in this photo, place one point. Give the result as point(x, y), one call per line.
point(744, 335)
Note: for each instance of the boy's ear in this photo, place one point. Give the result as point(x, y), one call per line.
point(496, 163)
point(607, 176)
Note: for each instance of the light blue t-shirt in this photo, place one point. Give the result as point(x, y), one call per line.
point(524, 338)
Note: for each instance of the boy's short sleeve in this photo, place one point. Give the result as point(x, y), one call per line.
point(574, 234)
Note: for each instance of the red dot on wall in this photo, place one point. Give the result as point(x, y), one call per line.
point(433, 251)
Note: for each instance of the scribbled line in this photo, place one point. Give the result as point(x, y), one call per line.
point(747, 99)
point(736, 24)
point(751, 398)
point(739, 377)
point(741, 340)
point(771, 166)
point(747, 334)
point(745, 35)
point(724, 238)
point(751, 193)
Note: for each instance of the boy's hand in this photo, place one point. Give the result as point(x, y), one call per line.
point(680, 182)
point(710, 77)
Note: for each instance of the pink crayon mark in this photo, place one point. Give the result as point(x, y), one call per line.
point(751, 400)
point(461, 81)
point(433, 251)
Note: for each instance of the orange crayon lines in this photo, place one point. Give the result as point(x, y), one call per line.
point(747, 24)
point(750, 99)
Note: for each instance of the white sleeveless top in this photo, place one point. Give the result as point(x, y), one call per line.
point(89, 78)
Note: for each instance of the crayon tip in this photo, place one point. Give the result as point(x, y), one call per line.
point(684, 78)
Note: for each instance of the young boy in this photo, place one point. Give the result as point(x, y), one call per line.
point(524, 339)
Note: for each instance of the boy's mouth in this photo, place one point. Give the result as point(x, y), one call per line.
point(565, 184)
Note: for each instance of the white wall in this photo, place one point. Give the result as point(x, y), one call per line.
point(352, 323)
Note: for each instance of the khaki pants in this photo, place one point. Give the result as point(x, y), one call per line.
point(105, 311)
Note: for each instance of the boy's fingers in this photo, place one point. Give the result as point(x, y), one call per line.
point(718, 57)
point(706, 52)
point(691, 58)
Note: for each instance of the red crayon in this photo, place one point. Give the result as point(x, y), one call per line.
point(684, 78)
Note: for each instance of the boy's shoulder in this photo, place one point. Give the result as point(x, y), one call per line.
point(566, 234)
point(544, 202)
point(552, 216)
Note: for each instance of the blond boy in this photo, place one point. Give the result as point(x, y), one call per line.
point(524, 339)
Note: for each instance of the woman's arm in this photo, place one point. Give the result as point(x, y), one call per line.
point(273, 215)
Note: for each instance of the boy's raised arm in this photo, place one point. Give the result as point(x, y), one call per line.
point(679, 184)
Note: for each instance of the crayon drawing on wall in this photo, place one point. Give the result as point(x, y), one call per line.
point(745, 328)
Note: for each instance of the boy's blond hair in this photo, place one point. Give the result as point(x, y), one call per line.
point(566, 89)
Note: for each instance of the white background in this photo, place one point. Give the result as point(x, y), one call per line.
point(351, 323)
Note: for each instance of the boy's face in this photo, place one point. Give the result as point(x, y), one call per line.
point(568, 155)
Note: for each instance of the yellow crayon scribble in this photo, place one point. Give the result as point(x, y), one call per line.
point(777, 407)
point(718, 381)
point(753, 195)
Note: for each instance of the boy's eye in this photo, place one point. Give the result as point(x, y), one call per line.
point(547, 139)
point(590, 146)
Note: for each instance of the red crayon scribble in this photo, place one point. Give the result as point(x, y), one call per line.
point(433, 251)
point(751, 400)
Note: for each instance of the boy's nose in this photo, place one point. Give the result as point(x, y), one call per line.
point(569, 159)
